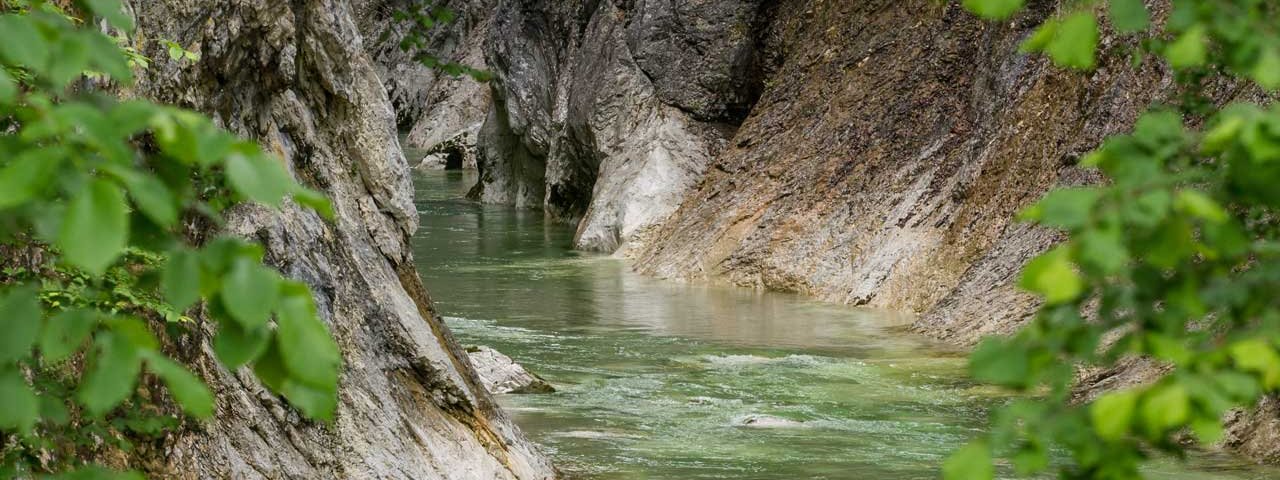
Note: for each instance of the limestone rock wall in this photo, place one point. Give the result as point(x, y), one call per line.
point(887, 157)
point(441, 114)
point(295, 76)
point(606, 112)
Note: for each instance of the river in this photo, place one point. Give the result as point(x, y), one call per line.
point(664, 380)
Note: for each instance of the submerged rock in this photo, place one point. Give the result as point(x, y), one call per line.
point(767, 421)
point(500, 374)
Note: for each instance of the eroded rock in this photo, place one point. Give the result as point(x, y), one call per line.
point(294, 76)
point(606, 113)
point(500, 374)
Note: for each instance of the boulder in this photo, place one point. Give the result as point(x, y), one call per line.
point(500, 374)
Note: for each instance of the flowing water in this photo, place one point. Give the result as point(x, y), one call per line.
point(663, 380)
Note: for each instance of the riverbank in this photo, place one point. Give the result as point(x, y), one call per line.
point(660, 379)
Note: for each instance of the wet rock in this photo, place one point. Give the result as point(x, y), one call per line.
point(500, 374)
point(432, 161)
point(294, 76)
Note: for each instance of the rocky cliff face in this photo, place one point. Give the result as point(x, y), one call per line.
point(606, 112)
point(442, 114)
point(886, 159)
point(294, 76)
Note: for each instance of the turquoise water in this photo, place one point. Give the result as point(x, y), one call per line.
point(662, 380)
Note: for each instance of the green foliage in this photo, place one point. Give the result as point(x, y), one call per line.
point(419, 18)
point(1174, 257)
point(101, 193)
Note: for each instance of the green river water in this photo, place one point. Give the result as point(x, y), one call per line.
point(663, 380)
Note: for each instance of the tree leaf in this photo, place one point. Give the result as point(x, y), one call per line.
point(8, 88)
point(95, 229)
point(1189, 50)
point(249, 292)
point(314, 200)
point(1266, 72)
point(19, 322)
point(19, 406)
point(65, 332)
point(259, 177)
point(316, 403)
point(971, 462)
point(1075, 42)
point(1113, 413)
point(1199, 205)
point(995, 360)
point(153, 198)
point(236, 346)
point(1166, 407)
point(22, 44)
point(113, 373)
point(113, 11)
point(1129, 16)
point(180, 280)
point(188, 390)
point(307, 349)
point(1052, 276)
point(28, 173)
point(993, 9)
point(1103, 250)
point(1256, 355)
point(1066, 208)
point(1039, 40)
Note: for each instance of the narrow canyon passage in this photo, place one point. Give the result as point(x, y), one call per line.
point(658, 379)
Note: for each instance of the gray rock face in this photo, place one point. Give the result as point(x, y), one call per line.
point(500, 374)
point(884, 163)
point(606, 113)
point(442, 113)
point(294, 76)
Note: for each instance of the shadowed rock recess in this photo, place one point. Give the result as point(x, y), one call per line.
point(294, 76)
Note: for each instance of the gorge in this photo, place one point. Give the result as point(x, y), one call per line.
point(725, 238)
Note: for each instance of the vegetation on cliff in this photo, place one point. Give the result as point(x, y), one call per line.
point(103, 203)
point(1174, 257)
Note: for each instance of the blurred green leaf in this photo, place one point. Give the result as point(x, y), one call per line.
point(65, 332)
point(259, 178)
point(1052, 276)
point(1075, 42)
point(1129, 16)
point(180, 280)
point(112, 374)
point(993, 9)
point(19, 407)
point(1113, 413)
point(95, 229)
point(22, 44)
point(27, 174)
point(189, 391)
point(113, 11)
point(236, 346)
point(306, 348)
point(249, 292)
point(971, 462)
point(1190, 50)
point(20, 322)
